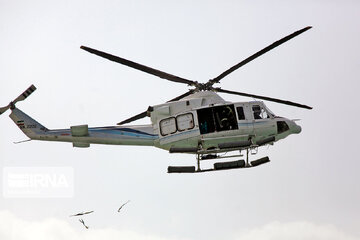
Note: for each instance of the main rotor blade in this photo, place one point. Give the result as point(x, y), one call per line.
point(264, 98)
point(134, 118)
point(182, 96)
point(258, 54)
point(145, 114)
point(140, 67)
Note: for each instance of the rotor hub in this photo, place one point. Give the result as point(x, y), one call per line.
point(208, 86)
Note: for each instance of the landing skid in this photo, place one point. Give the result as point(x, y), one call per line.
point(219, 165)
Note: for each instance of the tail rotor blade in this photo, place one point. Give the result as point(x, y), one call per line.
point(4, 109)
point(25, 94)
point(21, 97)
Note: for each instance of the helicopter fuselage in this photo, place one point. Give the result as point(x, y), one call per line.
point(202, 122)
point(205, 122)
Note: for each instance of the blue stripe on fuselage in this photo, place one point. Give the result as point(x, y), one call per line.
point(125, 131)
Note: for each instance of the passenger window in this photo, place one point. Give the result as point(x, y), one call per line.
point(167, 126)
point(240, 112)
point(185, 121)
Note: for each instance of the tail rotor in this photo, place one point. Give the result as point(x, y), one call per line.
point(21, 97)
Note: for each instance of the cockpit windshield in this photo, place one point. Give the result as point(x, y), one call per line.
point(269, 111)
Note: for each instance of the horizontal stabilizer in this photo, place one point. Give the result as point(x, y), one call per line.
point(79, 131)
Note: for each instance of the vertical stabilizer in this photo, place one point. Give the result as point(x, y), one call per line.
point(27, 125)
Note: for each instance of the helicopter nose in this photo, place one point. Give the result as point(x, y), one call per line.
point(296, 128)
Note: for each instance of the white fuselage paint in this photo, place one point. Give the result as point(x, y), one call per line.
point(182, 135)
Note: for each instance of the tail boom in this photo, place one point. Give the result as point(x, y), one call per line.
point(82, 136)
point(114, 135)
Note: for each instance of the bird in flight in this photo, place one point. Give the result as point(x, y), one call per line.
point(123, 205)
point(81, 213)
point(82, 221)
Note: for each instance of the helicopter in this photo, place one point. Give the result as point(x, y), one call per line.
point(198, 122)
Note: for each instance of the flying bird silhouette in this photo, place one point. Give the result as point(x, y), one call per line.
point(81, 213)
point(123, 205)
point(82, 221)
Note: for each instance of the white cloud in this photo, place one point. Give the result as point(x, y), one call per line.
point(295, 231)
point(15, 228)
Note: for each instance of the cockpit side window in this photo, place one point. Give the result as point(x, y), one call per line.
point(259, 112)
point(264, 114)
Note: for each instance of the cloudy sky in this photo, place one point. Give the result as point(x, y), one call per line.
point(311, 188)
